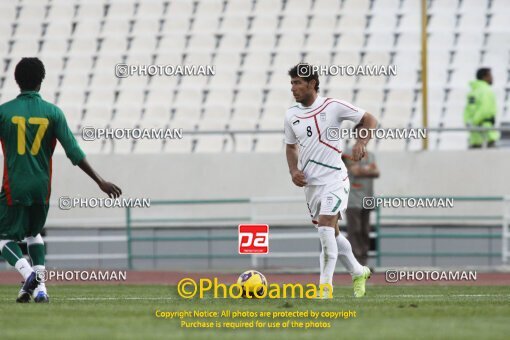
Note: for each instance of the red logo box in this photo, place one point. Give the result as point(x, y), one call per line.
point(253, 238)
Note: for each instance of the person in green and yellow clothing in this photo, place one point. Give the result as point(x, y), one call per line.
point(29, 130)
point(481, 110)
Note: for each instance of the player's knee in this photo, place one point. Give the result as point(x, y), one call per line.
point(327, 221)
point(330, 254)
point(35, 240)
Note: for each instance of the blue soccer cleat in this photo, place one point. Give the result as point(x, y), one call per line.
point(27, 289)
point(42, 297)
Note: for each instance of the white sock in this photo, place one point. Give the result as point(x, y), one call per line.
point(347, 257)
point(23, 267)
point(40, 288)
point(328, 255)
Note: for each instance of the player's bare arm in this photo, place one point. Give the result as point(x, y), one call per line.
point(368, 121)
point(110, 189)
point(298, 177)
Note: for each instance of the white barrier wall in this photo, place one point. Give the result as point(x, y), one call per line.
point(234, 175)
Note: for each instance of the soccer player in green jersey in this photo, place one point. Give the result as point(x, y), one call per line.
point(29, 130)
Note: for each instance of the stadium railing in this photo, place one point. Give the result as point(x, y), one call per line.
point(502, 220)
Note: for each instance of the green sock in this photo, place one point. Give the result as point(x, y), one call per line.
point(36, 253)
point(12, 253)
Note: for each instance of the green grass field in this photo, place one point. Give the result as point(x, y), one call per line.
point(128, 312)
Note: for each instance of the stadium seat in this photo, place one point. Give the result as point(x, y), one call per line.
point(288, 42)
point(252, 45)
point(285, 60)
point(350, 6)
point(232, 43)
point(253, 78)
point(318, 41)
point(386, 7)
point(97, 117)
point(410, 40)
point(205, 43)
point(150, 9)
point(157, 113)
point(220, 96)
point(240, 7)
point(370, 99)
point(262, 42)
point(24, 47)
point(143, 42)
point(382, 21)
point(381, 40)
point(229, 23)
point(148, 146)
point(295, 23)
point(324, 22)
point(411, 17)
point(265, 6)
point(257, 60)
point(250, 95)
point(442, 20)
point(352, 21)
point(183, 112)
point(280, 96)
point(212, 143)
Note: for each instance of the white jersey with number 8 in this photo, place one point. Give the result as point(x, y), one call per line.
point(316, 129)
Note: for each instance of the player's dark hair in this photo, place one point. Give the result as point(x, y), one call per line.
point(482, 72)
point(305, 71)
point(29, 73)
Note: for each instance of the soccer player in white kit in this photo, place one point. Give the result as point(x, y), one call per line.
point(310, 138)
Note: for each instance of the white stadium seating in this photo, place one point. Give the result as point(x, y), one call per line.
point(252, 44)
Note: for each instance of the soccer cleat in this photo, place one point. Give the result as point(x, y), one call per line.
point(27, 289)
point(323, 294)
point(359, 281)
point(42, 297)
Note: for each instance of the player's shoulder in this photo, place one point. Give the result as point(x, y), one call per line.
point(341, 104)
point(52, 108)
point(292, 111)
point(7, 104)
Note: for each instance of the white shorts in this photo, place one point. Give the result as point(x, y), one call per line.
point(329, 199)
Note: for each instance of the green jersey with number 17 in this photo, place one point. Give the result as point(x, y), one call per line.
point(29, 130)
